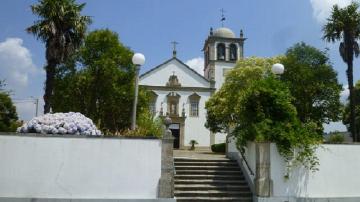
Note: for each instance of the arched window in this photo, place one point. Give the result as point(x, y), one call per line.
point(233, 52)
point(220, 51)
point(194, 105)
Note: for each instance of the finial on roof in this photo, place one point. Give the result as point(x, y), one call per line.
point(211, 31)
point(241, 34)
point(174, 48)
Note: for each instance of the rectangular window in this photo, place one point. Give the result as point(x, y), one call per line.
point(194, 108)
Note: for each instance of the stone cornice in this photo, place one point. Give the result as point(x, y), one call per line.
point(212, 39)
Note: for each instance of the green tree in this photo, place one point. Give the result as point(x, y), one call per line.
point(313, 83)
point(246, 71)
point(266, 113)
point(257, 106)
point(344, 25)
point(62, 28)
point(8, 115)
point(101, 85)
point(346, 113)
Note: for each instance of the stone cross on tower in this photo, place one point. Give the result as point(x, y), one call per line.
point(174, 48)
point(222, 17)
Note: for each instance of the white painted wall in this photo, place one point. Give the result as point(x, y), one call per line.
point(338, 174)
point(160, 76)
point(194, 126)
point(219, 75)
point(250, 156)
point(56, 167)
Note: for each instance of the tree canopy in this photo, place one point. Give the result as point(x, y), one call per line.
point(99, 82)
point(8, 115)
point(257, 106)
point(223, 105)
point(313, 83)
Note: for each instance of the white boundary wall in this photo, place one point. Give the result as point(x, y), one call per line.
point(338, 178)
point(338, 174)
point(79, 168)
point(249, 169)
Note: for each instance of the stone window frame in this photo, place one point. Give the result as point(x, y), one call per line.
point(194, 106)
point(173, 99)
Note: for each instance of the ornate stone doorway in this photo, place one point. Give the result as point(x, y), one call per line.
point(178, 130)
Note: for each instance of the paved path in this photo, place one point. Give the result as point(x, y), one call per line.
point(198, 154)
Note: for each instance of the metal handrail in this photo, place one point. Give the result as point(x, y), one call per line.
point(246, 163)
point(242, 157)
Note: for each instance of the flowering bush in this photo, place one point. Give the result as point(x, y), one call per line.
point(61, 123)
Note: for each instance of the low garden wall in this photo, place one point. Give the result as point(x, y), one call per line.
point(337, 179)
point(338, 174)
point(38, 166)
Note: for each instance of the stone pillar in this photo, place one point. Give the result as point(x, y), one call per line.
point(212, 138)
point(227, 52)
point(263, 182)
point(166, 182)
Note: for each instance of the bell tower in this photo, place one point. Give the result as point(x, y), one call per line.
point(222, 49)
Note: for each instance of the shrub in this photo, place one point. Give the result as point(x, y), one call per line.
point(219, 148)
point(336, 138)
point(193, 143)
point(147, 126)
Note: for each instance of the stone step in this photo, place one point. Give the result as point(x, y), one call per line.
point(210, 182)
point(201, 160)
point(209, 172)
point(215, 193)
point(187, 163)
point(212, 187)
point(233, 168)
point(214, 177)
point(204, 199)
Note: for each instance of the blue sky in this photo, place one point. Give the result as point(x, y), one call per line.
point(148, 26)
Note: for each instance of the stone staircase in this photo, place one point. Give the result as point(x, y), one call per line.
point(210, 180)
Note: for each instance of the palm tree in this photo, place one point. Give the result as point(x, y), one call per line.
point(62, 29)
point(344, 25)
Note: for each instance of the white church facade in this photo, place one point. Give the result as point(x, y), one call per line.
point(181, 92)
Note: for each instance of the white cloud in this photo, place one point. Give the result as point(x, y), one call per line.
point(21, 76)
point(322, 8)
point(197, 64)
point(15, 63)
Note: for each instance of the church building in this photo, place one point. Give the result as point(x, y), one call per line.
point(181, 92)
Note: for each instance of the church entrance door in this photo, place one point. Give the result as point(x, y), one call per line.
point(175, 131)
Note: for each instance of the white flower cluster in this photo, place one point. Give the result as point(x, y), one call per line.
point(61, 123)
